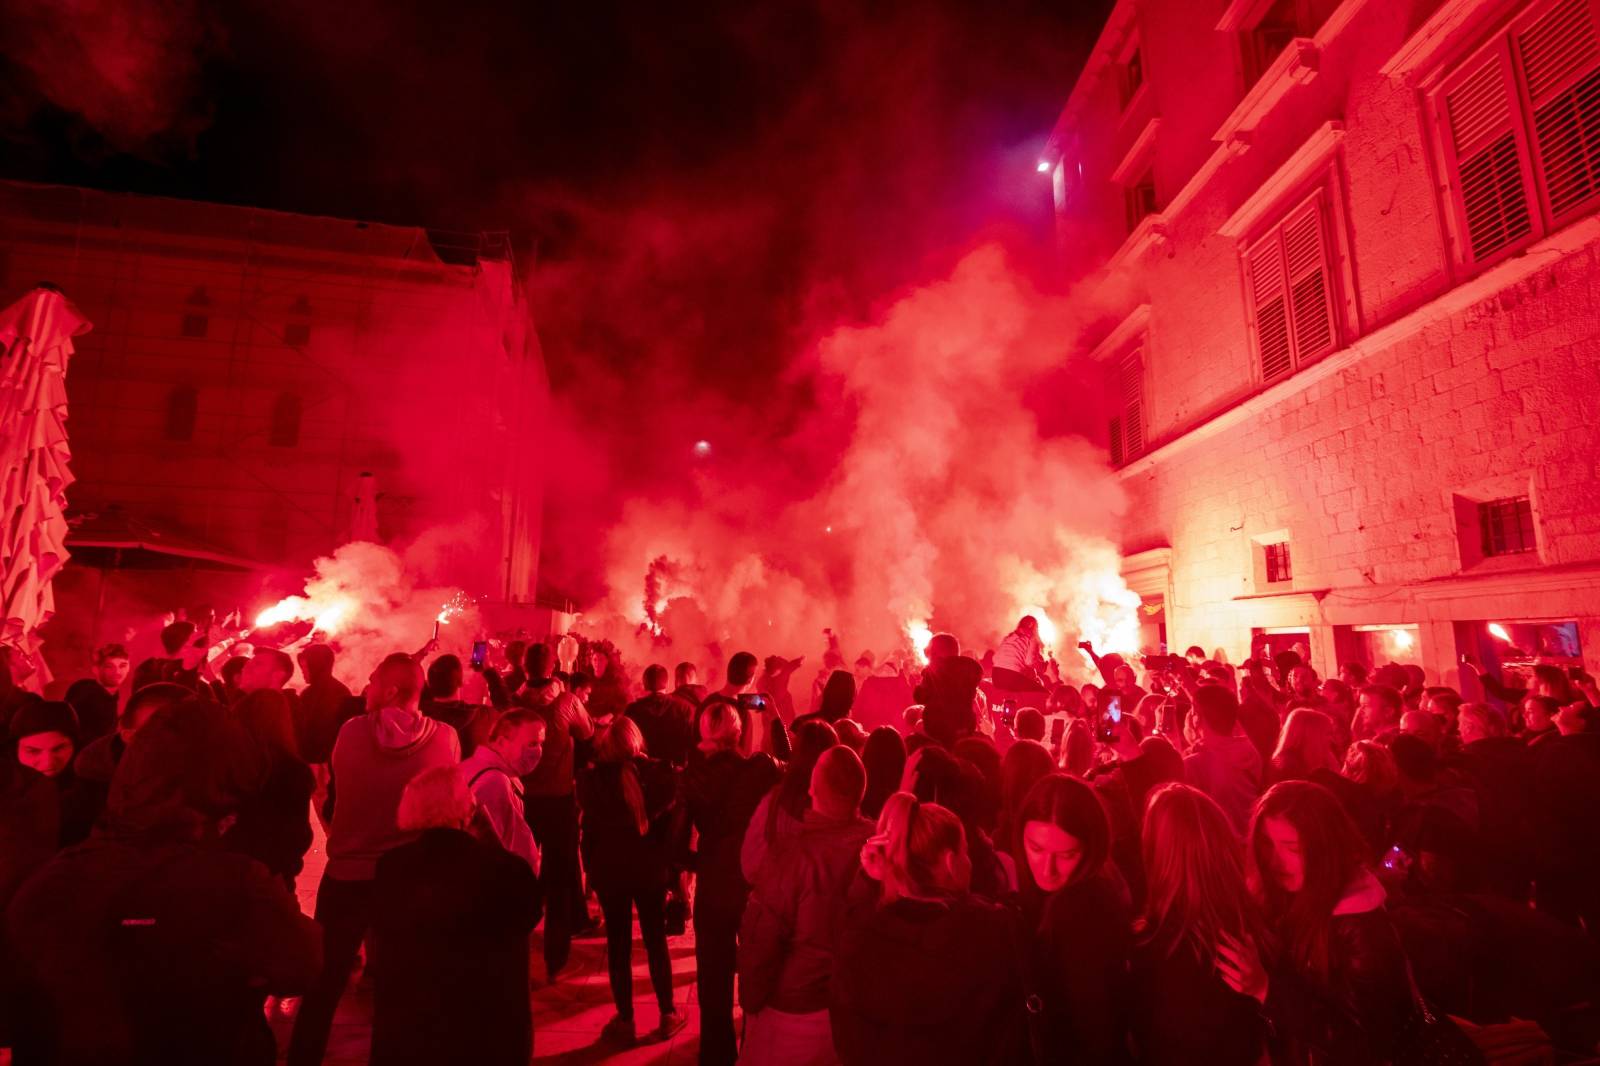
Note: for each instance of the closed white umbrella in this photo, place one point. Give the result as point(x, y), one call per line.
point(35, 347)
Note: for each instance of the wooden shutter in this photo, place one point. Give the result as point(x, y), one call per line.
point(1269, 303)
point(1305, 260)
point(1490, 174)
point(1130, 388)
point(1560, 53)
point(1116, 441)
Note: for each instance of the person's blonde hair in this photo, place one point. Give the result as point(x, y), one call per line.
point(1307, 744)
point(916, 836)
point(1195, 867)
point(622, 743)
point(720, 727)
point(434, 799)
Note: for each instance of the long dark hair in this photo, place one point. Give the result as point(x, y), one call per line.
point(1073, 807)
point(1024, 764)
point(1195, 876)
point(1333, 852)
point(623, 744)
point(792, 795)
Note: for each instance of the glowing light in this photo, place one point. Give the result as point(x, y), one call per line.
point(327, 616)
point(702, 448)
point(827, 529)
point(920, 634)
point(452, 608)
point(1402, 639)
point(1498, 630)
point(1044, 166)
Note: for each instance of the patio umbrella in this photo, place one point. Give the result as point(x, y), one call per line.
point(35, 346)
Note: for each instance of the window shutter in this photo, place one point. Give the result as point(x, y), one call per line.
point(1269, 306)
point(1489, 171)
point(1310, 295)
point(1130, 386)
point(1116, 442)
point(1560, 53)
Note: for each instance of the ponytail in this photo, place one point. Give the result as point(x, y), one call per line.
point(915, 837)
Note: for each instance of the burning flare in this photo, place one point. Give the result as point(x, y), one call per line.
point(1498, 630)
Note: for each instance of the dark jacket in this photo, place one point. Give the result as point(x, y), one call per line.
point(668, 726)
point(324, 705)
point(722, 792)
point(614, 851)
point(148, 944)
point(472, 722)
point(451, 918)
point(273, 826)
point(29, 829)
point(94, 765)
point(1354, 1014)
point(927, 984)
point(1080, 964)
point(1181, 1012)
point(793, 917)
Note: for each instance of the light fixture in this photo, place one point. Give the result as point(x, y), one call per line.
point(1044, 166)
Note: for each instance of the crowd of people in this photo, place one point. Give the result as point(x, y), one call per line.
point(923, 862)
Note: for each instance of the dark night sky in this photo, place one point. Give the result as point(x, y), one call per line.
point(708, 185)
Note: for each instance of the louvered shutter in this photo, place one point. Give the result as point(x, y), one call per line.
point(1310, 295)
point(1488, 157)
point(1116, 442)
point(1269, 302)
point(1560, 55)
point(1130, 385)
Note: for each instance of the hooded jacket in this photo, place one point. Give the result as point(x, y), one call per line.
point(147, 944)
point(924, 983)
point(374, 759)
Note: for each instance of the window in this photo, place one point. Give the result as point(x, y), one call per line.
point(1291, 294)
point(1281, 23)
point(197, 320)
point(1127, 393)
point(183, 409)
point(1141, 200)
point(1506, 526)
point(1276, 557)
point(297, 331)
point(285, 431)
point(1520, 124)
point(1132, 75)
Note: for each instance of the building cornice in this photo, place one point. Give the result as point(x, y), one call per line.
point(1312, 154)
point(1445, 29)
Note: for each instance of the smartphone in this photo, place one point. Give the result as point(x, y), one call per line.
point(1106, 731)
point(480, 653)
point(1058, 729)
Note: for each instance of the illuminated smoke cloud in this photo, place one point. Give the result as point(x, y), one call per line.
point(947, 506)
point(129, 68)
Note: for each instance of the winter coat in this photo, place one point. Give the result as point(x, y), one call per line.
point(614, 852)
point(1355, 1013)
point(323, 707)
point(722, 791)
point(566, 722)
point(148, 944)
point(473, 722)
point(96, 709)
point(1181, 1012)
point(796, 907)
point(1080, 964)
point(921, 983)
point(450, 926)
point(274, 825)
point(668, 726)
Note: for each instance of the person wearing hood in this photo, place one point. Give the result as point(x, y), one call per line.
point(1341, 991)
point(494, 776)
point(374, 758)
point(44, 734)
point(1223, 763)
point(148, 943)
point(925, 973)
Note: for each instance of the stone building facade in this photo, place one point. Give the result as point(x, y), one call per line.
point(1348, 260)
